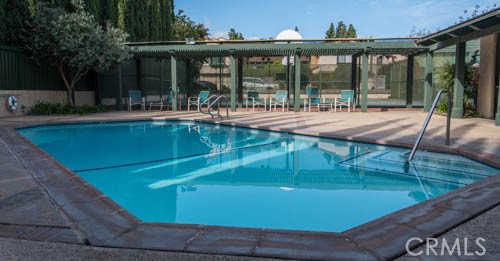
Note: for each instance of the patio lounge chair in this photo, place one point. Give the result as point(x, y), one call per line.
point(202, 96)
point(346, 99)
point(253, 97)
point(280, 99)
point(313, 98)
point(135, 98)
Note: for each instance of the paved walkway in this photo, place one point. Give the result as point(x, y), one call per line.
point(30, 224)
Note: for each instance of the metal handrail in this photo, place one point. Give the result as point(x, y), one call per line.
point(426, 122)
point(207, 102)
point(210, 104)
point(218, 111)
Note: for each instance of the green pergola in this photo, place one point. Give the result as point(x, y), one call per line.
point(458, 35)
point(238, 49)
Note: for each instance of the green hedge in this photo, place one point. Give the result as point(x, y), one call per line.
point(46, 108)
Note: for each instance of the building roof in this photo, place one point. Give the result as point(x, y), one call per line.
point(485, 24)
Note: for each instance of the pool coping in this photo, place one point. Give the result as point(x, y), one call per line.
point(102, 222)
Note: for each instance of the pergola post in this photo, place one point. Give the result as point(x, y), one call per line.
point(138, 73)
point(458, 91)
point(119, 91)
point(234, 82)
point(428, 91)
point(173, 75)
point(239, 78)
point(409, 80)
point(189, 78)
point(296, 96)
point(364, 83)
point(497, 115)
point(354, 72)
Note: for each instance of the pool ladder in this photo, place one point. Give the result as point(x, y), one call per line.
point(426, 122)
point(210, 102)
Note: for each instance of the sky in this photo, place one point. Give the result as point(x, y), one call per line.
point(371, 18)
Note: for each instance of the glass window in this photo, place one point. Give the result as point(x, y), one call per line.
point(344, 59)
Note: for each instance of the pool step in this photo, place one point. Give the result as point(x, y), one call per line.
point(437, 166)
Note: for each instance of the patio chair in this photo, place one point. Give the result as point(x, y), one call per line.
point(166, 101)
point(280, 99)
point(346, 99)
point(312, 98)
point(202, 96)
point(253, 97)
point(135, 98)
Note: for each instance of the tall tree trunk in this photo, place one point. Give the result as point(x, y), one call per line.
point(69, 88)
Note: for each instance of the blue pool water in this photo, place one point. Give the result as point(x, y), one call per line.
point(188, 172)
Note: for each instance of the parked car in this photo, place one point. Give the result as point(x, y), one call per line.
point(203, 86)
point(257, 83)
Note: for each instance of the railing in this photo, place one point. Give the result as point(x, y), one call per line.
point(426, 122)
point(211, 101)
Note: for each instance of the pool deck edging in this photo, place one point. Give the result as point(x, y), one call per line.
point(105, 223)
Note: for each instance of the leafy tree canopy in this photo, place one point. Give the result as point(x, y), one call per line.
point(184, 27)
point(74, 40)
point(233, 35)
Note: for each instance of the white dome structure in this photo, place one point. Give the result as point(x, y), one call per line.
point(289, 35)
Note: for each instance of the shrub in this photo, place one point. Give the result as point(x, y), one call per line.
point(47, 108)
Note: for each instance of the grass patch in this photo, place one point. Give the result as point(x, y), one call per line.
point(46, 108)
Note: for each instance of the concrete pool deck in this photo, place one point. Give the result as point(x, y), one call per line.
point(33, 205)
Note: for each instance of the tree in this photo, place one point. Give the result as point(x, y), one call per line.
point(74, 41)
point(233, 35)
point(110, 12)
point(341, 30)
point(330, 33)
point(351, 31)
point(184, 27)
point(14, 16)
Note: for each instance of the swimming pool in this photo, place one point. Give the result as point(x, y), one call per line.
point(190, 172)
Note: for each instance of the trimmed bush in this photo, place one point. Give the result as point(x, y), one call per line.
point(46, 108)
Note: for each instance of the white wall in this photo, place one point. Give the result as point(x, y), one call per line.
point(29, 98)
